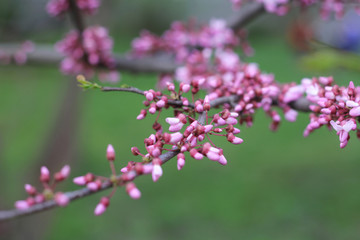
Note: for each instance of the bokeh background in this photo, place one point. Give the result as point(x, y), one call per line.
point(276, 185)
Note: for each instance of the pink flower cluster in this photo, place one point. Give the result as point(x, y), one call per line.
point(48, 193)
point(83, 53)
point(190, 138)
point(211, 63)
point(59, 7)
point(333, 106)
point(182, 39)
point(20, 56)
point(327, 7)
point(95, 183)
point(228, 76)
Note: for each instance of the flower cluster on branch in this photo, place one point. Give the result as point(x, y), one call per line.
point(84, 48)
point(327, 7)
point(48, 193)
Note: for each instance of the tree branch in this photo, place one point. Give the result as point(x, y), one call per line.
point(76, 17)
point(46, 55)
point(246, 15)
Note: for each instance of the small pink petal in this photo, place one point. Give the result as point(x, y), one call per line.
point(355, 112)
point(79, 180)
point(157, 172)
point(222, 160)
point(110, 153)
point(135, 193)
point(100, 209)
point(65, 171)
point(61, 199)
point(21, 205)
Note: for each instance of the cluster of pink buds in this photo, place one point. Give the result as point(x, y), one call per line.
point(59, 7)
point(83, 53)
point(333, 105)
point(182, 39)
point(156, 101)
point(281, 7)
point(192, 138)
point(212, 64)
point(20, 56)
point(48, 192)
point(88, 49)
point(96, 183)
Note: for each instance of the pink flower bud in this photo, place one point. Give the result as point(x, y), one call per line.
point(79, 180)
point(195, 154)
point(94, 186)
point(133, 191)
point(222, 160)
point(184, 87)
point(65, 171)
point(44, 174)
point(135, 151)
point(63, 174)
point(355, 112)
point(147, 168)
point(206, 103)
point(101, 207)
point(170, 86)
point(172, 121)
point(61, 199)
point(21, 205)
point(180, 161)
point(157, 170)
point(142, 114)
point(291, 115)
point(110, 153)
point(149, 95)
point(30, 189)
point(152, 108)
point(235, 140)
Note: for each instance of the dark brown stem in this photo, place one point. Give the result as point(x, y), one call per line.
point(176, 103)
point(76, 17)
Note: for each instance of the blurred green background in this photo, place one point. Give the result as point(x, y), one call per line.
point(276, 186)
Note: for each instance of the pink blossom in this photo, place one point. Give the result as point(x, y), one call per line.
point(30, 189)
point(79, 180)
point(222, 160)
point(195, 154)
point(44, 174)
point(22, 204)
point(102, 205)
point(343, 131)
point(291, 115)
point(61, 199)
point(133, 191)
point(180, 161)
point(110, 153)
point(157, 171)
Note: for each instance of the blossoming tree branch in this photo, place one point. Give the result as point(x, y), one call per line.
point(200, 61)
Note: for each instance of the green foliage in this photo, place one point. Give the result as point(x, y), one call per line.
point(329, 59)
point(83, 83)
